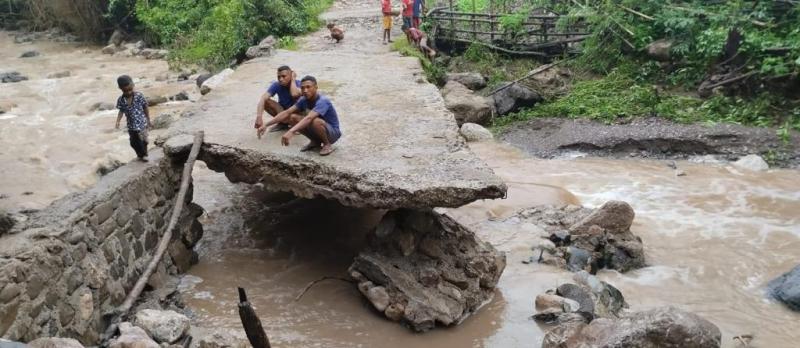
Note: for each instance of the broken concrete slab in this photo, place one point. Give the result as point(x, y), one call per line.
point(424, 269)
point(400, 146)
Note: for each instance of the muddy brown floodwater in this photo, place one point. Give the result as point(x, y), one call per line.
point(713, 238)
point(51, 140)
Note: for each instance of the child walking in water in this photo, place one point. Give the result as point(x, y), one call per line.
point(134, 106)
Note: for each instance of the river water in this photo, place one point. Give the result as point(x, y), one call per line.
point(712, 238)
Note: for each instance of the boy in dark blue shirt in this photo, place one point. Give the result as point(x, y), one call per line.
point(320, 125)
point(288, 90)
point(134, 106)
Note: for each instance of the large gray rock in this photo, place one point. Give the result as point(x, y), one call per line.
point(10, 77)
point(466, 106)
point(586, 239)
point(264, 48)
point(752, 162)
point(6, 222)
point(163, 326)
point(412, 274)
point(786, 288)
point(419, 162)
point(29, 54)
point(54, 342)
point(163, 121)
point(666, 327)
point(117, 37)
point(218, 337)
point(660, 50)
point(214, 81)
point(474, 132)
point(132, 337)
point(513, 98)
point(473, 81)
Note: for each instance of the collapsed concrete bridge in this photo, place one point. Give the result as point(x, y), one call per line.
point(400, 152)
point(69, 265)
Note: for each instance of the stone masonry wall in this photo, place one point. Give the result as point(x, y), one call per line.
point(74, 261)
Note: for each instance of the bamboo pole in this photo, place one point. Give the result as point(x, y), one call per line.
point(186, 178)
point(533, 72)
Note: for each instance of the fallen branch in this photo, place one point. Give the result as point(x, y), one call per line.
point(186, 178)
point(531, 73)
point(311, 284)
point(252, 325)
point(730, 80)
point(637, 13)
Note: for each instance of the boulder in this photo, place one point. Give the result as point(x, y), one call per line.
point(214, 81)
point(660, 50)
point(111, 49)
point(6, 222)
point(666, 327)
point(117, 37)
point(29, 54)
point(613, 216)
point(102, 106)
point(163, 121)
point(264, 48)
point(411, 272)
point(585, 239)
point(132, 337)
point(58, 75)
point(514, 97)
point(475, 132)
point(473, 81)
point(54, 342)
point(786, 288)
point(752, 162)
point(218, 338)
point(202, 78)
point(163, 326)
point(153, 101)
point(467, 107)
point(180, 96)
point(12, 76)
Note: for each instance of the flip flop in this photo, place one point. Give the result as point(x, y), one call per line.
point(328, 152)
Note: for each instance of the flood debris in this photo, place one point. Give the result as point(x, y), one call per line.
point(424, 269)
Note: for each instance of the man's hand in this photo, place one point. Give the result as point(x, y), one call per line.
point(259, 122)
point(261, 130)
point(294, 76)
point(285, 138)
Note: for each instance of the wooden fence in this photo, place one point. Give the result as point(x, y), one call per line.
point(538, 35)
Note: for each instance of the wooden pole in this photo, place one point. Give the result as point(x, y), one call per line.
point(186, 178)
point(251, 323)
point(533, 72)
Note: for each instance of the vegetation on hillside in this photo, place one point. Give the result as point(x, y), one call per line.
point(710, 41)
point(209, 33)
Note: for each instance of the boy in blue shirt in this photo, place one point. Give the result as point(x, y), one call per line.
point(134, 106)
point(320, 125)
point(288, 90)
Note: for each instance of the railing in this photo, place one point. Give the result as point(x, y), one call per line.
point(537, 35)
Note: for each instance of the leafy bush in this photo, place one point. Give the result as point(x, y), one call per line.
point(213, 32)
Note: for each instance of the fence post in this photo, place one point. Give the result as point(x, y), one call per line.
point(491, 21)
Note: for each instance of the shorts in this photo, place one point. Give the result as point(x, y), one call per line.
point(333, 134)
point(387, 22)
point(407, 22)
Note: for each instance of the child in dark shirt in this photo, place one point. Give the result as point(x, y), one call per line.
point(133, 105)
